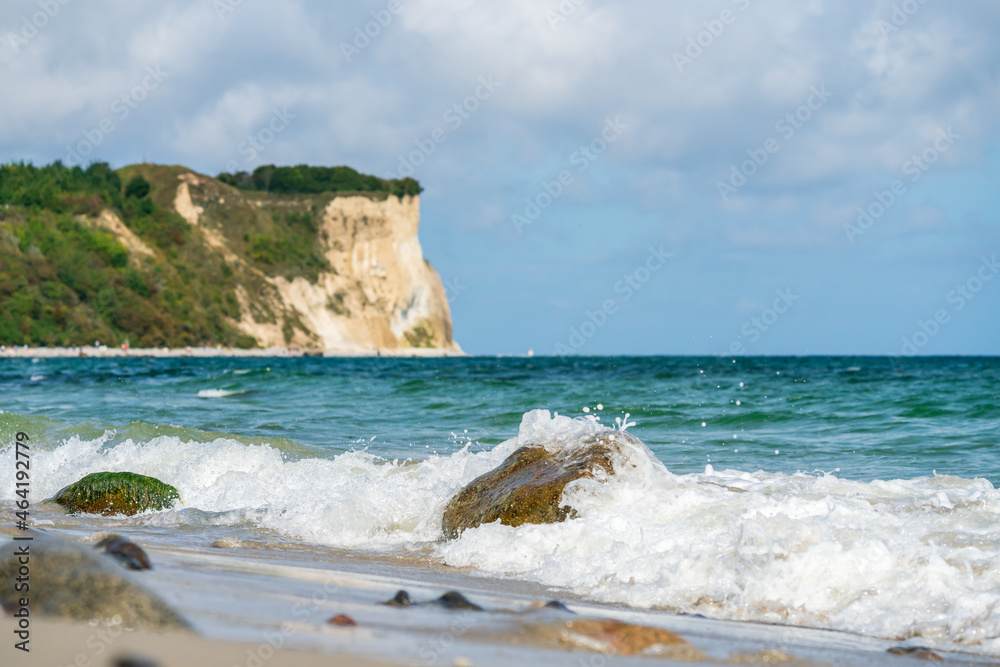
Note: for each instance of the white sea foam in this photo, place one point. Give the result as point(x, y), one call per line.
point(219, 393)
point(892, 559)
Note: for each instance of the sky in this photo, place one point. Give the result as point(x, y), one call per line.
point(647, 177)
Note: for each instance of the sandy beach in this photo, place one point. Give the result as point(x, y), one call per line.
point(253, 602)
point(62, 643)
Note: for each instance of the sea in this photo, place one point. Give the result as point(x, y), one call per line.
point(854, 494)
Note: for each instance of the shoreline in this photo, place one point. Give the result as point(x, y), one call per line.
point(103, 351)
point(270, 605)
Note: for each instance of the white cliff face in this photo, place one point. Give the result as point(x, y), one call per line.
point(379, 296)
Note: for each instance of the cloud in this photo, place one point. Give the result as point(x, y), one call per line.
point(691, 122)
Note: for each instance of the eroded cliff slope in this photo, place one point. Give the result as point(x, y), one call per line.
point(188, 259)
point(365, 287)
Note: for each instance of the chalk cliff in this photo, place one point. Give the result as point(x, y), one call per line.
point(363, 287)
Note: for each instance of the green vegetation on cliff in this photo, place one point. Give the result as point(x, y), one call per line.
point(303, 179)
point(96, 254)
point(65, 280)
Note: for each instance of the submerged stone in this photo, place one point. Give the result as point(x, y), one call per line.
point(74, 581)
point(527, 487)
point(111, 493)
point(551, 604)
point(401, 599)
point(127, 552)
point(455, 600)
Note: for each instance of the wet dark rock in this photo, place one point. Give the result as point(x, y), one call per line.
point(128, 553)
point(402, 599)
point(455, 600)
point(74, 581)
point(111, 493)
point(918, 652)
point(552, 605)
point(343, 620)
point(528, 486)
point(450, 600)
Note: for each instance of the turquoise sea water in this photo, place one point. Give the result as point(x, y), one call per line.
point(869, 417)
point(855, 494)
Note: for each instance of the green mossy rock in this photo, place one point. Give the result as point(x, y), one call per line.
point(116, 493)
point(526, 488)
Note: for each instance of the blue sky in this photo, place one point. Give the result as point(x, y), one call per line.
point(830, 102)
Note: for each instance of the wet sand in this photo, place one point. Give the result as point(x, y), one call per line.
point(59, 643)
point(254, 601)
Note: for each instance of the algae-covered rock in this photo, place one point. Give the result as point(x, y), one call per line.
point(527, 487)
point(116, 493)
point(74, 581)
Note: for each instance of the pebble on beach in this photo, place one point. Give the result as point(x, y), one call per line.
point(343, 620)
point(401, 599)
point(126, 552)
point(455, 600)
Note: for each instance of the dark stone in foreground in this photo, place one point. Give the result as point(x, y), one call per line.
point(116, 493)
point(128, 553)
point(455, 600)
point(76, 582)
point(527, 487)
point(554, 604)
point(402, 599)
point(450, 600)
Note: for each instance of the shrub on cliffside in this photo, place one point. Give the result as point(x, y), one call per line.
point(303, 179)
